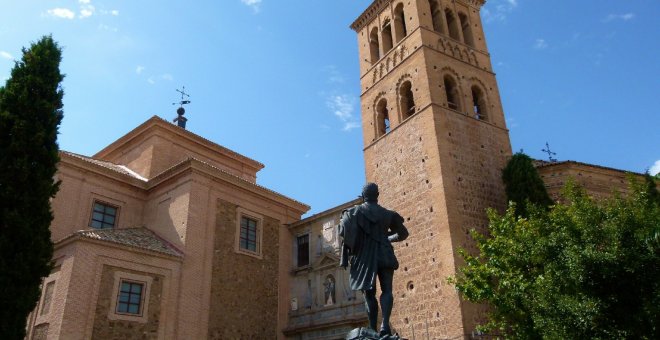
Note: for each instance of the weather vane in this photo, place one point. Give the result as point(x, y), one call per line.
point(550, 153)
point(185, 99)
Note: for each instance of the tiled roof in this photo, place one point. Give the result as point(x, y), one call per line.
point(542, 164)
point(141, 238)
point(108, 165)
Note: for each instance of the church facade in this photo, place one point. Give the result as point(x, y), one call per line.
point(166, 235)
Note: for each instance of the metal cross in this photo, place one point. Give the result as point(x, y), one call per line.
point(184, 95)
point(550, 153)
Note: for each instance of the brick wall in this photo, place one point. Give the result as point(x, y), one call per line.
point(244, 302)
point(104, 328)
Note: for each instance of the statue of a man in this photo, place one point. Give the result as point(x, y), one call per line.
point(367, 232)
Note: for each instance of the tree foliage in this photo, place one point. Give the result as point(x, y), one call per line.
point(581, 270)
point(30, 113)
point(523, 184)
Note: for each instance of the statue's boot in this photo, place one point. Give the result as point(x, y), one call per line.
point(386, 303)
point(371, 304)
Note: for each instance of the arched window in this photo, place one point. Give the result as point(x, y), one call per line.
point(452, 24)
point(406, 100)
point(374, 46)
point(451, 90)
point(467, 31)
point(382, 118)
point(479, 104)
point(436, 16)
point(399, 23)
point(387, 36)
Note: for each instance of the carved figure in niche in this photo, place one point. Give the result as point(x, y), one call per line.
point(330, 297)
point(367, 231)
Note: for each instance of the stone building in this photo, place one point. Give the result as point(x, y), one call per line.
point(158, 236)
point(166, 235)
point(435, 140)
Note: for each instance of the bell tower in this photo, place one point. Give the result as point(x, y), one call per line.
point(435, 141)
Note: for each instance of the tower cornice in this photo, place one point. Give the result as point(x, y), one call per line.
point(369, 14)
point(378, 5)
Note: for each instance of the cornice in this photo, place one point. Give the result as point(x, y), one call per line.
point(569, 163)
point(81, 163)
point(157, 122)
point(378, 5)
point(369, 14)
point(186, 166)
point(326, 212)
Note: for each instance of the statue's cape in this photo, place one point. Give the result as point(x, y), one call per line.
point(364, 231)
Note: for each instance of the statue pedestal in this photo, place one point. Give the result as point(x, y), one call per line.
point(363, 333)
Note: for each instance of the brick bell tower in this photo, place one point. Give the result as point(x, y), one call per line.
point(435, 141)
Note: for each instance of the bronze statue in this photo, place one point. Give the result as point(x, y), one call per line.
point(367, 232)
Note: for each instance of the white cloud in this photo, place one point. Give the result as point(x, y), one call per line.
point(84, 2)
point(334, 76)
point(540, 44)
point(624, 17)
point(6, 55)
point(166, 76)
point(511, 123)
point(63, 13)
point(343, 106)
point(86, 11)
point(254, 4)
point(350, 126)
point(655, 168)
point(139, 69)
point(108, 28)
point(151, 80)
point(114, 12)
point(497, 10)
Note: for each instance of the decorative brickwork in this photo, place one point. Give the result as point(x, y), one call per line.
point(105, 328)
point(243, 288)
point(441, 168)
point(40, 332)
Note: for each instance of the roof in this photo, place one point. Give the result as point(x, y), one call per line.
point(141, 238)
point(108, 165)
point(190, 161)
point(326, 212)
point(545, 164)
point(160, 122)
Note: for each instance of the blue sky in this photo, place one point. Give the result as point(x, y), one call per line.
point(278, 80)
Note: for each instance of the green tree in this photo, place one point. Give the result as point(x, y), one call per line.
point(30, 113)
point(523, 184)
point(581, 270)
point(651, 186)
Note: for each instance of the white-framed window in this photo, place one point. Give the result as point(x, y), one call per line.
point(47, 298)
point(249, 230)
point(130, 297)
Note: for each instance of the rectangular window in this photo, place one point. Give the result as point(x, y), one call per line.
point(303, 250)
point(248, 236)
point(48, 296)
point(103, 216)
point(130, 297)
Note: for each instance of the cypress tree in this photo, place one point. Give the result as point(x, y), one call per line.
point(523, 184)
point(30, 113)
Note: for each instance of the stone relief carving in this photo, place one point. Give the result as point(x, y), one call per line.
point(330, 296)
point(330, 241)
